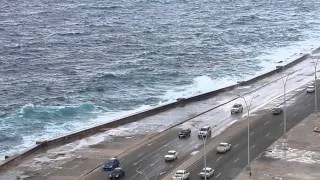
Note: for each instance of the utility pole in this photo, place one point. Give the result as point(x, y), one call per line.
point(248, 121)
point(284, 83)
point(204, 139)
point(315, 64)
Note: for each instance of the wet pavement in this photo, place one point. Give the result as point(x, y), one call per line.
point(83, 157)
point(298, 159)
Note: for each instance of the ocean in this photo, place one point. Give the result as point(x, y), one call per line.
point(69, 65)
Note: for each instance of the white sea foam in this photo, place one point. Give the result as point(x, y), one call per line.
point(89, 141)
point(201, 84)
point(269, 60)
point(284, 55)
point(111, 116)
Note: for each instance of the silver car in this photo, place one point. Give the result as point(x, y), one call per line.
point(237, 108)
point(310, 89)
point(171, 155)
point(205, 132)
point(181, 175)
point(206, 172)
point(223, 147)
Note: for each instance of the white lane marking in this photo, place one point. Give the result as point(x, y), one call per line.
point(149, 144)
point(267, 135)
point(166, 145)
point(235, 146)
point(219, 158)
point(219, 174)
point(236, 160)
point(266, 123)
point(152, 164)
point(148, 155)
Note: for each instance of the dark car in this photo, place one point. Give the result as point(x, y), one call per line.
point(276, 111)
point(111, 164)
point(184, 133)
point(117, 173)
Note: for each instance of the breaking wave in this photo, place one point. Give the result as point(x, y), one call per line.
point(47, 112)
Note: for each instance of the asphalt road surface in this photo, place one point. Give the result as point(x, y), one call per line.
point(148, 160)
point(263, 133)
point(149, 157)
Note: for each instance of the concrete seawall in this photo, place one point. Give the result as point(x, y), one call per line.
point(43, 146)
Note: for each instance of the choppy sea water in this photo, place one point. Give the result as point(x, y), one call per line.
point(67, 65)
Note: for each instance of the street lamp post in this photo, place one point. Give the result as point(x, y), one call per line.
point(204, 139)
point(284, 83)
point(315, 63)
point(248, 121)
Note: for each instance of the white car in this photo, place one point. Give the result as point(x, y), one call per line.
point(181, 175)
point(310, 89)
point(171, 156)
point(206, 172)
point(223, 147)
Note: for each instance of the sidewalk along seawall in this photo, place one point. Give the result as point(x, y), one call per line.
point(44, 145)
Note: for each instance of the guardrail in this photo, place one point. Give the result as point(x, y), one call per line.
point(45, 145)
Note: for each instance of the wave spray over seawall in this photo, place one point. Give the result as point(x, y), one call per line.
point(68, 65)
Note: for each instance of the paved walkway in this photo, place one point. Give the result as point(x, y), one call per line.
point(300, 160)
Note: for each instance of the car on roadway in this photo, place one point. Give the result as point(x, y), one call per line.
point(206, 172)
point(316, 129)
point(117, 173)
point(186, 132)
point(310, 89)
point(181, 175)
point(171, 155)
point(204, 132)
point(276, 110)
point(111, 164)
point(223, 147)
point(237, 108)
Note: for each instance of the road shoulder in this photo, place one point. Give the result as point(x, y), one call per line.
point(299, 160)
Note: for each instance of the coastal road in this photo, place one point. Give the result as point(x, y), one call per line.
point(266, 129)
point(84, 156)
point(149, 158)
